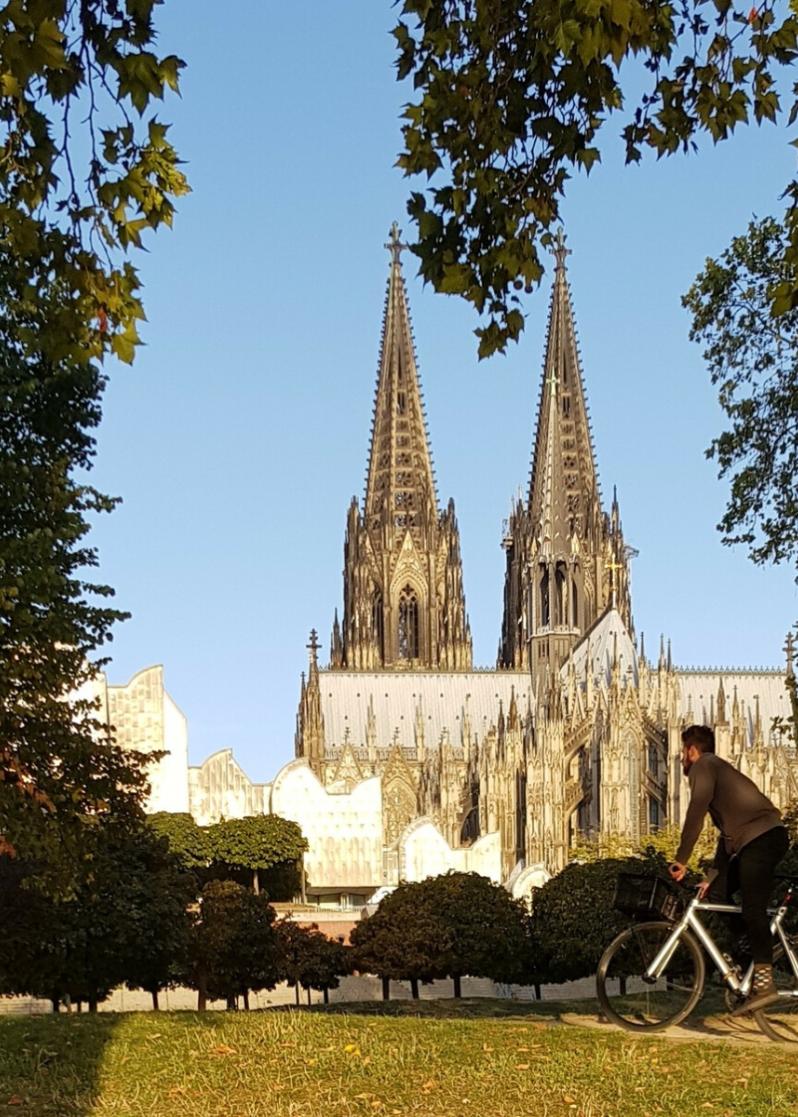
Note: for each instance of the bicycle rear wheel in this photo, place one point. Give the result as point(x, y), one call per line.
point(635, 1002)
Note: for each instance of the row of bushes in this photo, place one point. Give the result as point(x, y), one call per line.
point(139, 916)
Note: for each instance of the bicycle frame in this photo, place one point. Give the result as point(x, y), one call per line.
point(690, 921)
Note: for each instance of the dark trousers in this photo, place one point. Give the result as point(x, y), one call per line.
point(751, 872)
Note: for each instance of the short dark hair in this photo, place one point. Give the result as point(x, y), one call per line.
point(700, 736)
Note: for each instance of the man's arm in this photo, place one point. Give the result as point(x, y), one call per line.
point(702, 788)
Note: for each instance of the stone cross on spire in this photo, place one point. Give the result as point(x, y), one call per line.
point(560, 251)
point(395, 245)
point(313, 646)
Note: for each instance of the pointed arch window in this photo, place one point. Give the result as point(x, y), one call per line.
point(545, 612)
point(561, 594)
point(408, 624)
point(378, 624)
point(574, 603)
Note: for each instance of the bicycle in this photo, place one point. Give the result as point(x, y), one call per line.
point(659, 966)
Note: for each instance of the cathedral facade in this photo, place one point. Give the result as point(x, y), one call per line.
point(575, 733)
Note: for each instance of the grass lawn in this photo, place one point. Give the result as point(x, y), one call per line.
point(433, 1058)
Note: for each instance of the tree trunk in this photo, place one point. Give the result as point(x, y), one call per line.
point(255, 882)
point(202, 1000)
point(622, 983)
point(309, 1001)
point(458, 992)
point(155, 1005)
point(538, 992)
point(232, 1004)
point(326, 995)
point(386, 988)
point(56, 1003)
point(414, 988)
point(245, 996)
point(296, 991)
point(93, 1003)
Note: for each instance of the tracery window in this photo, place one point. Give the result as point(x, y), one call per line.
point(545, 613)
point(408, 624)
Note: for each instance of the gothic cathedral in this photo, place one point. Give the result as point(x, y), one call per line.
point(575, 733)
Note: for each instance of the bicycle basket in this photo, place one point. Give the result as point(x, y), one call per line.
point(643, 897)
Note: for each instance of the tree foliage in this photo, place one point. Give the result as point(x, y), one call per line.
point(186, 839)
point(125, 922)
point(234, 946)
point(452, 925)
point(753, 359)
point(573, 919)
point(400, 941)
point(265, 850)
point(259, 842)
point(510, 100)
point(57, 760)
point(85, 169)
point(310, 959)
point(662, 844)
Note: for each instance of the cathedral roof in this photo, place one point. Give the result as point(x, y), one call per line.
point(399, 702)
point(606, 639)
point(762, 688)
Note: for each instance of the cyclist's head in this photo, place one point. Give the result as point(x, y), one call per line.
point(696, 740)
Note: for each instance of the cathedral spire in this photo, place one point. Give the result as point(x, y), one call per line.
point(567, 562)
point(404, 604)
point(400, 485)
point(563, 487)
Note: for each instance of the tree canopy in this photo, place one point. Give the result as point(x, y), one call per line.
point(87, 167)
point(263, 849)
point(510, 100)
point(125, 920)
point(234, 945)
point(310, 959)
point(753, 359)
point(452, 925)
point(573, 919)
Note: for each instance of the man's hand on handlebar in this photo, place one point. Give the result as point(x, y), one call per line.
point(677, 870)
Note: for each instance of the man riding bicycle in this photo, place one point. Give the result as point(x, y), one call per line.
point(752, 841)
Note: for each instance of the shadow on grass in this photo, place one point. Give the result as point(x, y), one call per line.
point(52, 1064)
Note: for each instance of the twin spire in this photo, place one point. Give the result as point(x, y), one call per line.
point(563, 487)
point(400, 480)
point(404, 604)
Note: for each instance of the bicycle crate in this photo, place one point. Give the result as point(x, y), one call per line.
point(645, 897)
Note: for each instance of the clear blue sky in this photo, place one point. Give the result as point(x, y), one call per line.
point(241, 432)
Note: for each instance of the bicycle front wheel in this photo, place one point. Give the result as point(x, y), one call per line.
point(636, 1002)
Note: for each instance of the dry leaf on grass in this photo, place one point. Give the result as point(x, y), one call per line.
point(223, 1049)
